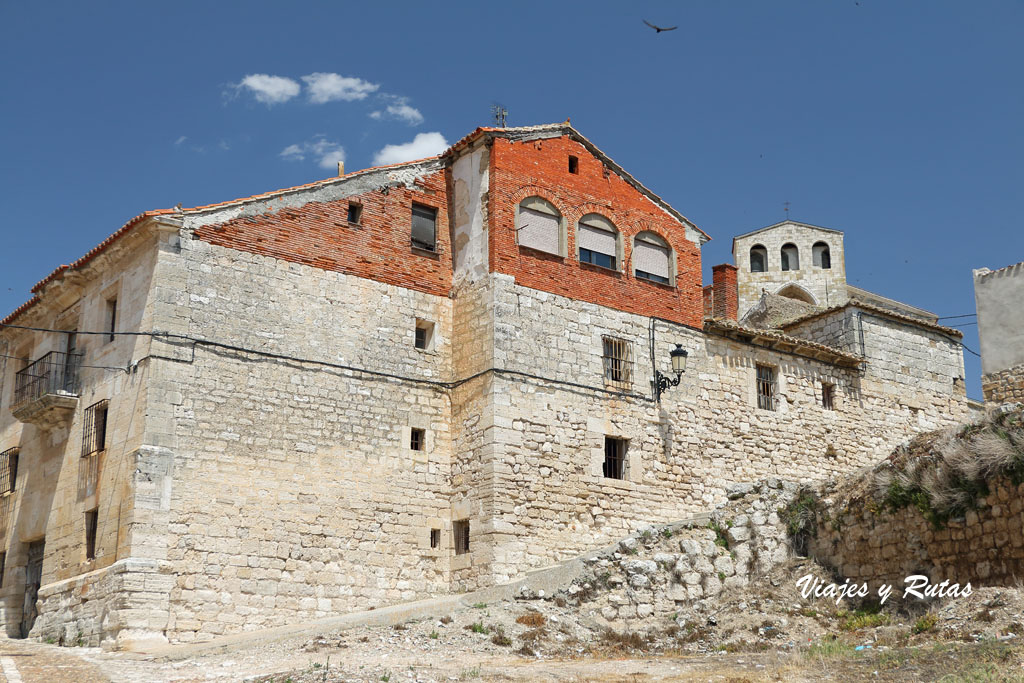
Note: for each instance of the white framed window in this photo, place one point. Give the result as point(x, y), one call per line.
point(540, 226)
point(653, 259)
point(598, 243)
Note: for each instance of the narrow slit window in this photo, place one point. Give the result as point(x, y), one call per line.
point(460, 531)
point(766, 389)
point(424, 227)
point(110, 321)
point(355, 212)
point(614, 458)
point(617, 358)
point(417, 439)
point(94, 428)
point(3, 566)
point(435, 538)
point(828, 392)
point(91, 517)
point(8, 470)
point(574, 164)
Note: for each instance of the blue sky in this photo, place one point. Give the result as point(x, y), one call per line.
point(896, 122)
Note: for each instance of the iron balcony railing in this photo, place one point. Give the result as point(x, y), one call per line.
point(54, 373)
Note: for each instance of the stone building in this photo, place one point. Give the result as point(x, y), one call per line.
point(405, 381)
point(806, 263)
point(999, 298)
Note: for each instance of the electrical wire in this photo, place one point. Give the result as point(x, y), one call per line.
point(965, 315)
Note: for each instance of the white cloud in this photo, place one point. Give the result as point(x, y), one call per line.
point(423, 145)
point(327, 87)
point(400, 109)
point(180, 140)
point(270, 89)
point(326, 152)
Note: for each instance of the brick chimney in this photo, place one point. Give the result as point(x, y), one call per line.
point(709, 301)
point(725, 299)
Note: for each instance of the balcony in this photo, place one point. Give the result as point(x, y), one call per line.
point(46, 392)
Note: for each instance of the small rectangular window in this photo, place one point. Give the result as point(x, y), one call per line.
point(424, 335)
point(460, 530)
point(110, 321)
point(765, 387)
point(574, 164)
point(424, 227)
point(94, 428)
point(417, 439)
point(617, 357)
point(8, 470)
point(614, 458)
point(435, 538)
point(91, 517)
point(355, 212)
point(828, 396)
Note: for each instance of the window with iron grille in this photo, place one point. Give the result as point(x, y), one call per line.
point(8, 470)
point(460, 530)
point(766, 387)
point(417, 439)
point(828, 396)
point(617, 357)
point(94, 434)
point(614, 457)
point(91, 518)
point(435, 538)
point(424, 227)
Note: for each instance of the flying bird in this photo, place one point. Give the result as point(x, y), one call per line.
point(659, 29)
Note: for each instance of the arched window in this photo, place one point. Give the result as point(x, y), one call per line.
point(539, 226)
point(790, 257)
point(598, 241)
point(652, 258)
point(821, 255)
point(758, 259)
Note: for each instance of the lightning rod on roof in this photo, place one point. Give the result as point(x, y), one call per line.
point(499, 115)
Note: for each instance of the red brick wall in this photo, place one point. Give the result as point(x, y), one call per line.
point(540, 167)
point(319, 235)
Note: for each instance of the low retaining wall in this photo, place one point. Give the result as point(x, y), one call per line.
point(124, 605)
point(863, 541)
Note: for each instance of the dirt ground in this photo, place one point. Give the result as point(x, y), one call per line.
point(765, 633)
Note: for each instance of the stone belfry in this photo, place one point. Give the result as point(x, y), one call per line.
point(797, 260)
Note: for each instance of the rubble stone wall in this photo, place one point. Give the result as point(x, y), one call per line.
point(1005, 386)
point(865, 542)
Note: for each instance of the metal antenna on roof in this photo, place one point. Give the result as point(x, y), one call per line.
point(499, 114)
point(786, 205)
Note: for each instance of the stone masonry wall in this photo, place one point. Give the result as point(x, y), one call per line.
point(878, 545)
point(295, 491)
point(827, 286)
point(707, 434)
point(1005, 386)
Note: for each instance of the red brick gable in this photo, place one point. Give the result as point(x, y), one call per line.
point(541, 168)
point(318, 234)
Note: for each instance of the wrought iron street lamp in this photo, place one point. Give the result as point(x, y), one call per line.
point(662, 382)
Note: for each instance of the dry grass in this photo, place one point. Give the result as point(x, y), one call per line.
point(532, 619)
